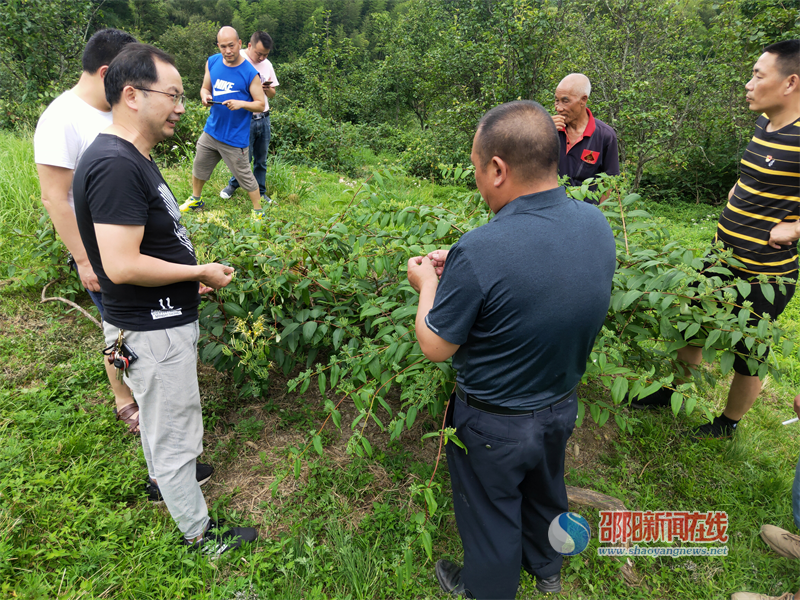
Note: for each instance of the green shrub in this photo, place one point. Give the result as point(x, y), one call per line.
point(331, 298)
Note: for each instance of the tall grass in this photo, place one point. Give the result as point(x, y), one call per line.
point(20, 204)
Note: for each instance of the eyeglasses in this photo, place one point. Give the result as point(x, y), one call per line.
point(176, 98)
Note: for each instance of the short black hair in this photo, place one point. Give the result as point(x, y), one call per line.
point(522, 133)
point(788, 53)
point(263, 37)
point(136, 66)
point(103, 47)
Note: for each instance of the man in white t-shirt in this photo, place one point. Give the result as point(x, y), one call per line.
point(256, 54)
point(65, 130)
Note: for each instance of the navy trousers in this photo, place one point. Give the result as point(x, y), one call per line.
point(507, 489)
point(260, 134)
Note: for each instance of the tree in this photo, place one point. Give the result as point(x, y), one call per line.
point(191, 46)
point(41, 42)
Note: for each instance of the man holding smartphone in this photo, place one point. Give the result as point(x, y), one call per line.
point(232, 87)
point(256, 54)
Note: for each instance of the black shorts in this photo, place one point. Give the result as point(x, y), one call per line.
point(760, 306)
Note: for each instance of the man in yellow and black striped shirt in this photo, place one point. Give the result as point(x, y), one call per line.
point(760, 223)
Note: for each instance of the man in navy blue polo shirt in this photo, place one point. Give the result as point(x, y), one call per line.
point(518, 307)
point(588, 146)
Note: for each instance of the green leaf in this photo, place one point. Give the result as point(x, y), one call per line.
point(726, 361)
point(337, 337)
point(713, 336)
point(743, 287)
point(370, 310)
point(235, 310)
point(691, 330)
point(676, 401)
point(411, 416)
point(619, 389)
point(308, 330)
point(769, 292)
point(442, 228)
point(362, 266)
point(297, 466)
point(321, 381)
point(317, 441)
point(427, 544)
point(629, 297)
point(367, 445)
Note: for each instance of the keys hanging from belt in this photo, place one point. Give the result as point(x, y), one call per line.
point(120, 355)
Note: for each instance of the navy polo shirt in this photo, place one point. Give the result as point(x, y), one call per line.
point(596, 152)
point(524, 297)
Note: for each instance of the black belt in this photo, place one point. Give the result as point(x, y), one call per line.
point(473, 402)
point(260, 115)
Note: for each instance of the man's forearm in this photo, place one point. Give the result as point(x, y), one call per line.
point(255, 106)
point(148, 271)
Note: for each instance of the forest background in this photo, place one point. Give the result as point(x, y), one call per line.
point(411, 78)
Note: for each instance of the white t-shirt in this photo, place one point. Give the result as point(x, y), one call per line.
point(65, 130)
point(266, 72)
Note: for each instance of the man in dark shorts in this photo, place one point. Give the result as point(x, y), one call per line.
point(129, 222)
point(519, 311)
point(760, 222)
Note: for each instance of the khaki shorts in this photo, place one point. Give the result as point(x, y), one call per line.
point(209, 153)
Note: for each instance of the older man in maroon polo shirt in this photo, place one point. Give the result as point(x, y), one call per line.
point(588, 146)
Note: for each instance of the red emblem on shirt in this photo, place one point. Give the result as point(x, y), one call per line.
point(590, 156)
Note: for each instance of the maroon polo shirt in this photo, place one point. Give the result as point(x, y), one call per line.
point(596, 152)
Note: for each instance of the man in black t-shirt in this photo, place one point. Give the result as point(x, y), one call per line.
point(519, 311)
point(130, 226)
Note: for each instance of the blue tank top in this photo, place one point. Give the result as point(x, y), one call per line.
point(230, 127)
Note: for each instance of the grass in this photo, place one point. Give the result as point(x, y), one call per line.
point(75, 522)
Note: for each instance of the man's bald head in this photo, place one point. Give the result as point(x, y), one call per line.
point(577, 84)
point(229, 45)
point(522, 134)
point(227, 33)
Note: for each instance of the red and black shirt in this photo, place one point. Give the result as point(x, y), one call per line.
point(596, 152)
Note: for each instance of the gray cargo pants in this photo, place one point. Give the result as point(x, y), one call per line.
point(164, 383)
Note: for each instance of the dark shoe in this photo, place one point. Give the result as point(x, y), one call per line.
point(218, 539)
point(549, 585)
point(449, 577)
point(227, 192)
point(713, 430)
point(661, 398)
point(203, 471)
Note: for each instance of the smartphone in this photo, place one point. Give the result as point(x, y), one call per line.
point(212, 102)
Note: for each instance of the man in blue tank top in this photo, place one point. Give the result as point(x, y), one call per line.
point(232, 88)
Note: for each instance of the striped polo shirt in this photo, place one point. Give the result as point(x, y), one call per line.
point(767, 192)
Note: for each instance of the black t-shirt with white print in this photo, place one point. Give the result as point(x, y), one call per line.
point(115, 185)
